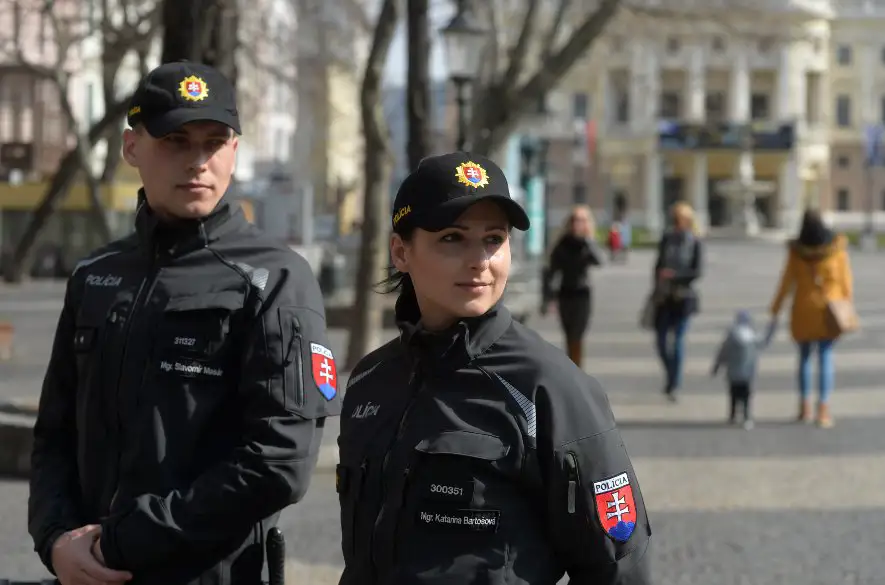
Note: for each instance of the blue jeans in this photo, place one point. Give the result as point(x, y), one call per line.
point(825, 372)
point(672, 354)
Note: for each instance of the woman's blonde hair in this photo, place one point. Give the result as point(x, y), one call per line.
point(683, 210)
point(566, 226)
point(576, 210)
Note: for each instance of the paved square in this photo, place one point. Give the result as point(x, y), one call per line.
point(782, 504)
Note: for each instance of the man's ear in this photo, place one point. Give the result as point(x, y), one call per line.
point(398, 253)
point(130, 137)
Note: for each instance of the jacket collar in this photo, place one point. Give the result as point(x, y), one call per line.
point(458, 345)
point(179, 237)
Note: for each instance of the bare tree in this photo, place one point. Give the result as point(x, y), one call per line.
point(124, 26)
point(418, 106)
point(205, 31)
point(377, 170)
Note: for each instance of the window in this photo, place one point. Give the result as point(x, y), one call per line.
point(882, 109)
point(617, 44)
point(580, 105)
point(882, 202)
point(759, 106)
point(842, 161)
point(714, 104)
point(882, 55)
point(579, 193)
point(622, 115)
point(843, 55)
point(843, 111)
point(766, 44)
point(673, 45)
point(842, 200)
point(669, 107)
point(718, 44)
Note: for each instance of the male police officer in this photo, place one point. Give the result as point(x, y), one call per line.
point(190, 375)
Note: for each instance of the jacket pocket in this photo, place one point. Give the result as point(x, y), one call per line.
point(292, 348)
point(349, 482)
point(445, 485)
point(198, 326)
point(451, 507)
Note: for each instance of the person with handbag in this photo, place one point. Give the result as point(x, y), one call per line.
point(817, 275)
point(675, 300)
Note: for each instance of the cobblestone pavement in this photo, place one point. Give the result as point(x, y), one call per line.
point(783, 504)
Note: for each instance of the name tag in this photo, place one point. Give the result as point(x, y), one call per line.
point(463, 521)
point(449, 491)
point(189, 368)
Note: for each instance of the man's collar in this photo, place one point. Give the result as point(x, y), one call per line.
point(180, 236)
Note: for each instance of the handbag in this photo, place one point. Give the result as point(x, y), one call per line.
point(648, 312)
point(842, 316)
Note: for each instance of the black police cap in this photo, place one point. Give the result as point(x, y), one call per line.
point(436, 193)
point(176, 93)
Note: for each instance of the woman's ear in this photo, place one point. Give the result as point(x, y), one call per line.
point(398, 253)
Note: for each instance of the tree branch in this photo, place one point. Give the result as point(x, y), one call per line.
point(553, 33)
point(500, 112)
point(520, 49)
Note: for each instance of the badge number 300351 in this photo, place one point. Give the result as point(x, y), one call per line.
point(615, 506)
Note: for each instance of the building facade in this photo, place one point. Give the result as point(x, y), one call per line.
point(656, 111)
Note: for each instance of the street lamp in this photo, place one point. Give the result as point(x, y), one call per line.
point(463, 43)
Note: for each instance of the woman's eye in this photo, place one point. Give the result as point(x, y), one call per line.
point(495, 240)
point(453, 237)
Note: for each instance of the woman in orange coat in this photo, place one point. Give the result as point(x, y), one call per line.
point(817, 271)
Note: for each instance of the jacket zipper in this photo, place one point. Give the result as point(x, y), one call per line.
point(407, 478)
point(574, 481)
point(364, 464)
point(415, 385)
point(295, 343)
point(146, 283)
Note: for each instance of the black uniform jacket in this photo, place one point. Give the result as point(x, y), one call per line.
point(184, 401)
point(482, 455)
point(571, 259)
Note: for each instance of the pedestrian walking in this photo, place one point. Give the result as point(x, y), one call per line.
point(678, 266)
point(573, 255)
point(817, 275)
point(190, 375)
point(739, 353)
point(472, 451)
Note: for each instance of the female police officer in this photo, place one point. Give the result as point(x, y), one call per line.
point(472, 451)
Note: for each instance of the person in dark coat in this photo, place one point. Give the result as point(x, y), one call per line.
point(678, 266)
point(571, 259)
point(471, 449)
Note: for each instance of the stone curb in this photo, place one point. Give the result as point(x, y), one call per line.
point(17, 438)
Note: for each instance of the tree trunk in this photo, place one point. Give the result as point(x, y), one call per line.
point(418, 105)
point(58, 189)
point(203, 31)
point(377, 167)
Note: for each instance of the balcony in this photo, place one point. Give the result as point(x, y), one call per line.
point(817, 8)
point(860, 8)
